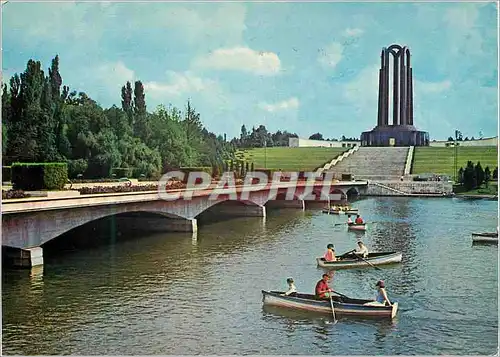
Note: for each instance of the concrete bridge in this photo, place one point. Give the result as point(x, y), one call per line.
point(29, 223)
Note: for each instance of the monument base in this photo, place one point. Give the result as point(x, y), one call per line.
point(395, 135)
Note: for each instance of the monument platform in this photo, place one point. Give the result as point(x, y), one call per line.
point(395, 135)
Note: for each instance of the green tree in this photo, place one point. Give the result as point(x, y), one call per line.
point(317, 136)
point(469, 176)
point(127, 104)
point(479, 174)
point(487, 175)
point(461, 175)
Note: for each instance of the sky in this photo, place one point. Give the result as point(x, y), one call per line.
point(301, 67)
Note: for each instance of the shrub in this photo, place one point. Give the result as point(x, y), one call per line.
point(121, 172)
point(55, 176)
point(76, 167)
point(39, 176)
point(187, 170)
point(6, 173)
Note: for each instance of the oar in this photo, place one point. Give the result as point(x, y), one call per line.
point(347, 297)
point(349, 252)
point(333, 310)
point(339, 224)
point(367, 262)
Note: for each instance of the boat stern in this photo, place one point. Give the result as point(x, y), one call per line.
point(394, 310)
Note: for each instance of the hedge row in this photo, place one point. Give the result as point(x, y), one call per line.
point(39, 176)
point(6, 173)
point(8, 194)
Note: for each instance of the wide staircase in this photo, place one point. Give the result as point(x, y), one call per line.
point(373, 163)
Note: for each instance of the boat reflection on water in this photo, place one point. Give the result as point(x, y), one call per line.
point(294, 319)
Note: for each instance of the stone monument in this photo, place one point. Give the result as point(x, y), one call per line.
point(401, 132)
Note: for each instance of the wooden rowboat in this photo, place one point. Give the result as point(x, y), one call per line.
point(343, 306)
point(333, 211)
point(486, 234)
point(357, 227)
point(486, 237)
point(350, 261)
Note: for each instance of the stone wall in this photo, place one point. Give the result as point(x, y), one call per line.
point(408, 188)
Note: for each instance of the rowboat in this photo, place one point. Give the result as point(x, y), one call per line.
point(485, 237)
point(486, 234)
point(340, 211)
point(350, 261)
point(343, 306)
point(357, 227)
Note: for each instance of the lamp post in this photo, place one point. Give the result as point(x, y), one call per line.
point(265, 153)
point(455, 161)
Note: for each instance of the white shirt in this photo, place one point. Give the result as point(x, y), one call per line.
point(362, 251)
point(291, 289)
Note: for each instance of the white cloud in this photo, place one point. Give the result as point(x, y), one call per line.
point(352, 32)
point(432, 87)
point(331, 55)
point(114, 75)
point(242, 59)
point(221, 24)
point(463, 34)
point(289, 104)
point(179, 84)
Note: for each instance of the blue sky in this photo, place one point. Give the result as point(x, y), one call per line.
point(302, 67)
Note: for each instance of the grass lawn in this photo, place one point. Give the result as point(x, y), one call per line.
point(491, 189)
point(440, 160)
point(289, 158)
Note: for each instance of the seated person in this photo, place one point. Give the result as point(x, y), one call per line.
point(292, 290)
point(362, 250)
point(322, 290)
point(359, 220)
point(382, 294)
point(349, 220)
point(330, 254)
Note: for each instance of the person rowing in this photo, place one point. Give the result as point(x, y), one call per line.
point(322, 290)
point(330, 253)
point(359, 220)
point(349, 220)
point(361, 250)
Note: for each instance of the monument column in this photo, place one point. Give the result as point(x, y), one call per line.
point(395, 91)
point(402, 88)
point(410, 121)
point(386, 87)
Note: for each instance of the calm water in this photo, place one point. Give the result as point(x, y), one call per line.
point(170, 294)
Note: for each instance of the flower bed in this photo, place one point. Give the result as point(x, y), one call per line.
point(10, 194)
point(119, 189)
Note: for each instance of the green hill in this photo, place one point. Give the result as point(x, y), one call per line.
point(440, 160)
point(289, 158)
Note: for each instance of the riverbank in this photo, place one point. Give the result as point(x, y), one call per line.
point(487, 192)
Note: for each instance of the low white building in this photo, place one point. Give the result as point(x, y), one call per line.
point(478, 142)
point(302, 143)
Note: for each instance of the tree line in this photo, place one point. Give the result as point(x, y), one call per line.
point(319, 136)
point(474, 176)
point(45, 121)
